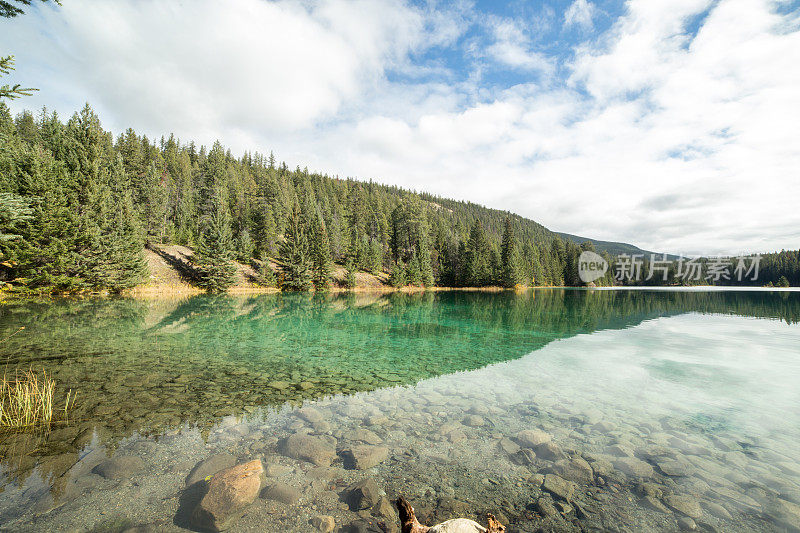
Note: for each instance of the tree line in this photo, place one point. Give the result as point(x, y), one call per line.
point(78, 205)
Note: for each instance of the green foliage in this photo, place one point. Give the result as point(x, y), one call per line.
point(398, 277)
point(413, 271)
point(509, 257)
point(295, 256)
point(478, 260)
point(6, 66)
point(264, 274)
point(14, 209)
point(320, 255)
point(213, 258)
point(245, 247)
point(350, 276)
point(94, 200)
point(9, 9)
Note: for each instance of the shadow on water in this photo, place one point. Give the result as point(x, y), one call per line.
point(144, 366)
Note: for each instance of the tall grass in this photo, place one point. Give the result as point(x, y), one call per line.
point(26, 400)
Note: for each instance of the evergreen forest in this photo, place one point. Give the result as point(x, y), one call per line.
point(79, 205)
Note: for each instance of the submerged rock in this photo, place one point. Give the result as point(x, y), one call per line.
point(655, 504)
point(363, 495)
point(785, 513)
point(673, 468)
point(364, 435)
point(546, 507)
point(631, 466)
point(281, 492)
point(317, 450)
point(228, 493)
point(362, 526)
point(119, 467)
point(363, 457)
point(530, 438)
point(576, 469)
point(279, 385)
point(386, 512)
point(549, 451)
point(604, 426)
point(684, 504)
point(558, 486)
point(323, 523)
point(474, 421)
point(717, 510)
point(310, 415)
point(210, 466)
point(602, 467)
point(508, 446)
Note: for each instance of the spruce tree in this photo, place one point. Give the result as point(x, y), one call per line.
point(398, 278)
point(509, 256)
point(294, 254)
point(375, 257)
point(350, 275)
point(320, 255)
point(14, 209)
point(413, 272)
point(213, 257)
point(264, 274)
point(478, 263)
point(153, 196)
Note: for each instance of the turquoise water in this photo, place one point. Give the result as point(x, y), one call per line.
point(638, 386)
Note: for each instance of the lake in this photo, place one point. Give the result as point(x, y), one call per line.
point(559, 410)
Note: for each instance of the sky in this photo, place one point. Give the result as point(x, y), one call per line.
point(669, 124)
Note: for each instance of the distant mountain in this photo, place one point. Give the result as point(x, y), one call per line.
point(613, 248)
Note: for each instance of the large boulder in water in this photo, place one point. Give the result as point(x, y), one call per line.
point(228, 493)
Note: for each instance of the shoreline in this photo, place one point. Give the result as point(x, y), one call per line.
point(156, 291)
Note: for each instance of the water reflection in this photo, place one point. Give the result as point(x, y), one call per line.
point(177, 370)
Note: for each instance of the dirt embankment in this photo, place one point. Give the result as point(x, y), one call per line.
point(171, 273)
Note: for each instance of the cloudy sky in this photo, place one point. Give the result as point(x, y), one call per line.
point(670, 124)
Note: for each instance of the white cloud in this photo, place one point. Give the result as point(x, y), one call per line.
point(580, 13)
point(512, 47)
point(674, 140)
point(209, 66)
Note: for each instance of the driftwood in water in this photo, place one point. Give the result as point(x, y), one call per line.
point(410, 524)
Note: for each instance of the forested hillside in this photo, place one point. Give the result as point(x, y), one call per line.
point(78, 205)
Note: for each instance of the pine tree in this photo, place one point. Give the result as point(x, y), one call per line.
point(14, 209)
point(7, 65)
point(413, 272)
point(264, 274)
point(244, 246)
point(213, 258)
point(478, 257)
point(9, 10)
point(320, 255)
point(398, 277)
point(294, 253)
point(509, 257)
point(153, 196)
point(375, 257)
point(350, 275)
